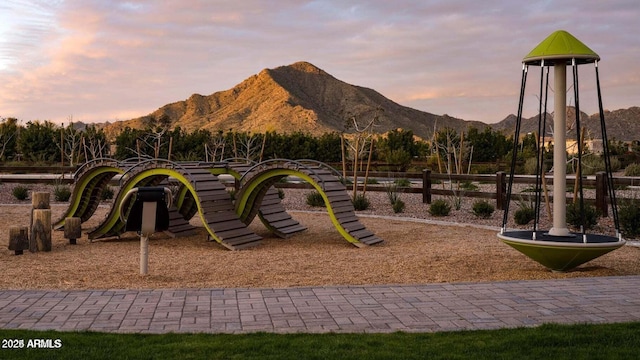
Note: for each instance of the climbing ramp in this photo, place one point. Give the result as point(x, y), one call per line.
point(256, 182)
point(201, 192)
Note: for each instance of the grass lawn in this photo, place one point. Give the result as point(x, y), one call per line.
point(606, 341)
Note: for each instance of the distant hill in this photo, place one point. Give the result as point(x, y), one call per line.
point(302, 97)
point(623, 124)
point(297, 97)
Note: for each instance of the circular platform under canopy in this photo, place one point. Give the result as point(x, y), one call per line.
point(560, 253)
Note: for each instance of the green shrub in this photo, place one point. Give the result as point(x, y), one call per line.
point(398, 206)
point(360, 202)
point(315, 199)
point(525, 213)
point(468, 185)
point(482, 209)
point(372, 181)
point(574, 219)
point(530, 166)
point(280, 193)
point(629, 216)
point(392, 192)
point(232, 193)
point(20, 192)
point(632, 170)
point(403, 182)
point(61, 193)
point(439, 207)
point(107, 193)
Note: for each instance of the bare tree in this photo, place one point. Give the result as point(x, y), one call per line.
point(361, 145)
point(71, 141)
point(214, 148)
point(8, 132)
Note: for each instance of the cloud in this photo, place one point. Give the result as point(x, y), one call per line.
point(100, 59)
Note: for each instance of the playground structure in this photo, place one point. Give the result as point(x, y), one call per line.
point(200, 191)
point(558, 248)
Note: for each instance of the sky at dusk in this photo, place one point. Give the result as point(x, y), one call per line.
point(104, 60)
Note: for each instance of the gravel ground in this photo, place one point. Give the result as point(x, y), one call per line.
point(414, 251)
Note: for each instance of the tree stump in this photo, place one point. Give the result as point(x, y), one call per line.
point(40, 239)
point(72, 229)
point(18, 239)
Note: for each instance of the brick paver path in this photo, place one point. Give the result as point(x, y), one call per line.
point(423, 308)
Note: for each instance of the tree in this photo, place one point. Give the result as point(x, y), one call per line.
point(94, 143)
point(488, 145)
point(70, 143)
point(38, 142)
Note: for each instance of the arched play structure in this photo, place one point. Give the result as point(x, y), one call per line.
point(558, 248)
point(199, 191)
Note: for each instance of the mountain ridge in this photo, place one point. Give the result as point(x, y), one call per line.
point(303, 97)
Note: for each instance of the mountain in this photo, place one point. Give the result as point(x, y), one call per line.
point(623, 124)
point(303, 97)
point(297, 97)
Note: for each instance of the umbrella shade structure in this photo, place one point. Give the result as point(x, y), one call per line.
point(558, 248)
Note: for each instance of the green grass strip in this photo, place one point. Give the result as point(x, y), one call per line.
point(602, 341)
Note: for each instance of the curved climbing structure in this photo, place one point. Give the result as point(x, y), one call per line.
point(256, 182)
point(90, 181)
point(201, 192)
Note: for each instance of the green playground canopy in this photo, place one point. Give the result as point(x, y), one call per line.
point(560, 47)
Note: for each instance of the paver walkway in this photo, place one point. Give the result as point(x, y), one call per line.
point(423, 308)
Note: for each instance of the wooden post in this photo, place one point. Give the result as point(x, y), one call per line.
point(40, 231)
point(72, 229)
point(601, 193)
point(40, 223)
point(426, 186)
point(501, 189)
point(19, 239)
point(40, 200)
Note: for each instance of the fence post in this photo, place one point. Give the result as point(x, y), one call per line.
point(501, 189)
point(601, 193)
point(426, 186)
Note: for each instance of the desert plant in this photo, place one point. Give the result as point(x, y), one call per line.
point(280, 193)
point(575, 219)
point(456, 199)
point(632, 170)
point(315, 199)
point(629, 216)
point(20, 192)
point(372, 181)
point(361, 202)
point(482, 209)
point(468, 185)
point(398, 206)
point(525, 213)
point(403, 182)
point(232, 193)
point(392, 192)
point(439, 207)
point(107, 193)
point(61, 192)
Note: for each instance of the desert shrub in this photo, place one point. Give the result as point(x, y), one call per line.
point(107, 193)
point(315, 199)
point(61, 193)
point(629, 216)
point(440, 207)
point(398, 206)
point(592, 164)
point(456, 199)
point(483, 209)
point(280, 193)
point(232, 193)
point(403, 182)
point(372, 181)
point(361, 202)
point(486, 169)
point(468, 185)
point(574, 219)
point(20, 192)
point(392, 192)
point(525, 213)
point(632, 170)
point(530, 166)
